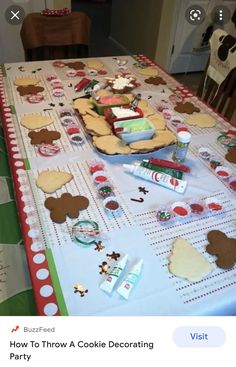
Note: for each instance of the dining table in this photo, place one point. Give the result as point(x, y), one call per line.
point(71, 256)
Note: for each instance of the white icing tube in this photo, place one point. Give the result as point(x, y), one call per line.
point(108, 283)
point(128, 284)
point(159, 178)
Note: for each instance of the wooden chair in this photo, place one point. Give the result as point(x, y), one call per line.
point(222, 96)
point(50, 38)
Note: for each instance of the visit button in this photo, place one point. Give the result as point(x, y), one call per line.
point(199, 337)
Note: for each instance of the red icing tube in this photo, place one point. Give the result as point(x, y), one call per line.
point(169, 164)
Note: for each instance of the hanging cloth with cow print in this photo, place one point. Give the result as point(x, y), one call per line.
point(223, 56)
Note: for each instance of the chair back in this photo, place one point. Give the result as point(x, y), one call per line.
point(218, 84)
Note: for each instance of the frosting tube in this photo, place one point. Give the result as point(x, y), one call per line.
point(108, 283)
point(128, 284)
point(159, 178)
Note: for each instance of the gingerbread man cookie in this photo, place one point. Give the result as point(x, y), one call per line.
point(113, 256)
point(231, 155)
point(66, 205)
point(43, 136)
point(104, 268)
point(223, 247)
point(25, 90)
point(155, 80)
point(79, 288)
point(186, 107)
point(77, 65)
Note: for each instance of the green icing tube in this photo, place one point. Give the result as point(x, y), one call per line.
point(169, 171)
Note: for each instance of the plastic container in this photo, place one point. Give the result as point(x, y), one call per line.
point(167, 113)
point(197, 207)
point(110, 101)
point(134, 130)
point(205, 153)
point(223, 172)
point(214, 204)
point(95, 166)
point(164, 214)
point(181, 209)
point(232, 183)
point(112, 206)
point(121, 113)
point(85, 232)
point(100, 177)
point(181, 149)
point(176, 120)
point(105, 189)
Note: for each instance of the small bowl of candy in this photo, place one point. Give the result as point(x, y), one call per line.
point(205, 153)
point(223, 172)
point(105, 189)
point(181, 209)
point(232, 183)
point(214, 204)
point(112, 206)
point(197, 207)
point(134, 130)
point(164, 214)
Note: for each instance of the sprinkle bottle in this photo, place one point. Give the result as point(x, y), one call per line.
point(180, 152)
